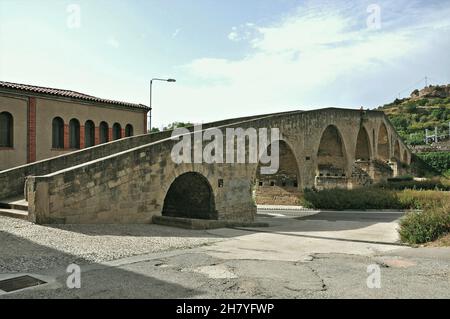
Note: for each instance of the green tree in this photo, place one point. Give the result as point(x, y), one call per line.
point(175, 125)
point(411, 107)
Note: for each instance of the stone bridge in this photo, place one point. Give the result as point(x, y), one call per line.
point(134, 179)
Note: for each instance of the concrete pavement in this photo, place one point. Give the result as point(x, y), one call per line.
point(325, 255)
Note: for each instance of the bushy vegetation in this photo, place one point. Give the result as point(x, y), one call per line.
point(440, 161)
point(374, 198)
point(436, 183)
point(421, 168)
point(411, 117)
point(426, 226)
point(340, 199)
point(171, 126)
point(423, 200)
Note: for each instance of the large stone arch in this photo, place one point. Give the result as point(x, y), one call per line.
point(361, 168)
point(190, 195)
point(397, 154)
point(363, 148)
point(282, 187)
point(331, 153)
point(383, 143)
point(405, 157)
point(331, 160)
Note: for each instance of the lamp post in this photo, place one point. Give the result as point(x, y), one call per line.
point(151, 86)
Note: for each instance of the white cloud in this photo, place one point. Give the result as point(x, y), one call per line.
point(243, 32)
point(233, 35)
point(319, 56)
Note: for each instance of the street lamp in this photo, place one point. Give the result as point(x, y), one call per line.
point(151, 86)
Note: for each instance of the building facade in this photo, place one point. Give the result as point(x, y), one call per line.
point(38, 123)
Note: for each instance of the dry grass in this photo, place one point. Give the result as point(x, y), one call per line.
point(441, 242)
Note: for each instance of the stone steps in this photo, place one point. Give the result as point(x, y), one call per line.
point(16, 203)
point(202, 224)
point(14, 207)
point(14, 213)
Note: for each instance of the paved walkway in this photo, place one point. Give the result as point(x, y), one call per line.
point(326, 255)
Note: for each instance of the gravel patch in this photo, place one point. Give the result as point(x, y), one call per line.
point(27, 247)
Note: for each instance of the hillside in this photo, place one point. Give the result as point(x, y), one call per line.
point(424, 109)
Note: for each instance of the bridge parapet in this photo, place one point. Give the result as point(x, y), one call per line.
point(131, 186)
point(12, 180)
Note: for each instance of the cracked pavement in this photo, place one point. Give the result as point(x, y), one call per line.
point(320, 256)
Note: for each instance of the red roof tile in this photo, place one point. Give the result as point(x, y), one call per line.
point(66, 93)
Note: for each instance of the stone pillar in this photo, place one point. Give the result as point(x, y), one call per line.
point(66, 137)
point(82, 133)
point(110, 134)
point(97, 135)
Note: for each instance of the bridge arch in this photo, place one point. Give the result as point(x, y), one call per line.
point(281, 187)
point(363, 148)
point(383, 145)
point(190, 196)
point(331, 154)
point(405, 157)
point(288, 172)
point(397, 154)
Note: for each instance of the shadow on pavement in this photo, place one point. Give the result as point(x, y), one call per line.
point(20, 256)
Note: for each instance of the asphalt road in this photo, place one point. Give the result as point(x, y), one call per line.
point(326, 255)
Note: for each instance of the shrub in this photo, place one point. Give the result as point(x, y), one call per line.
point(415, 199)
point(440, 161)
point(426, 226)
point(429, 184)
point(411, 107)
point(364, 198)
point(447, 173)
point(374, 198)
point(421, 168)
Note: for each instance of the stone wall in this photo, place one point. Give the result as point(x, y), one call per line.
point(130, 186)
point(12, 180)
point(277, 195)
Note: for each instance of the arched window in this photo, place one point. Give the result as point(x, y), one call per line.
point(74, 133)
point(58, 133)
point(89, 134)
point(129, 130)
point(6, 129)
point(117, 131)
point(104, 134)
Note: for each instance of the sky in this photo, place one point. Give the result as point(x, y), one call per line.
point(230, 58)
